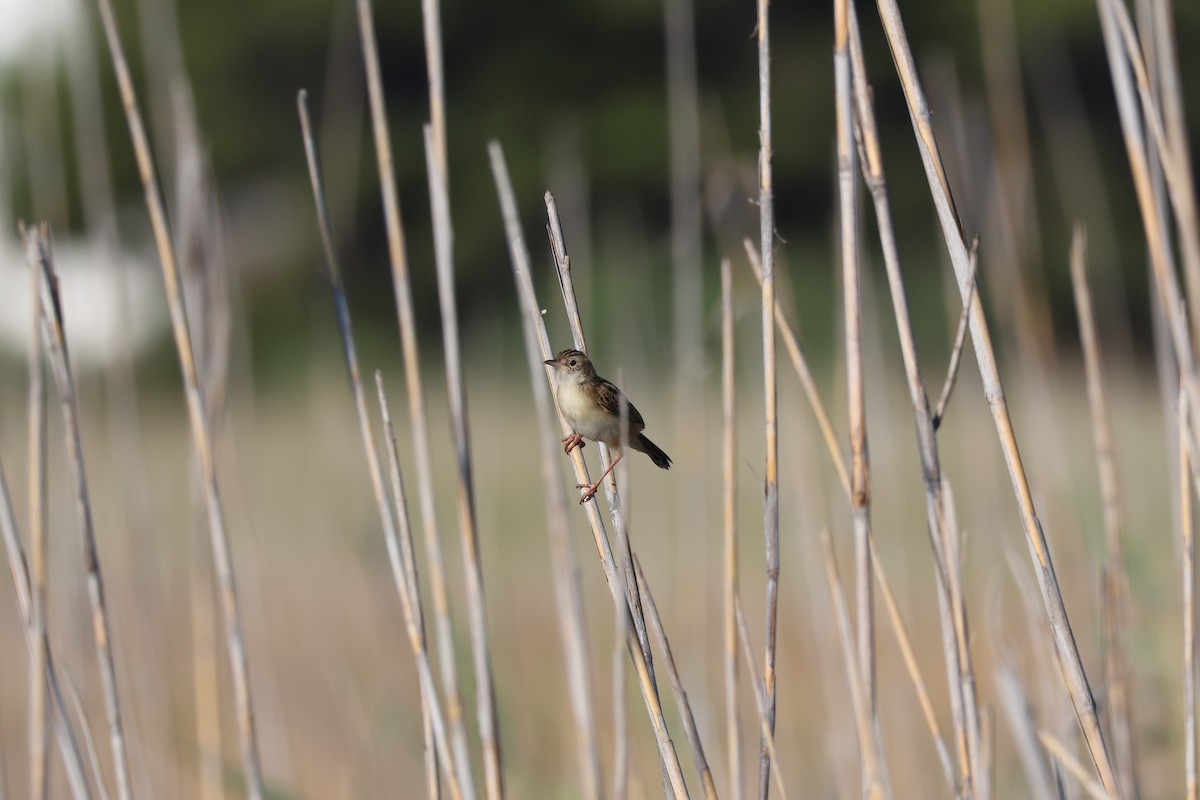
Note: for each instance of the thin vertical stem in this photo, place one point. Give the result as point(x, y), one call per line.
point(804, 373)
point(1070, 663)
point(39, 751)
point(562, 264)
point(489, 732)
point(562, 548)
point(760, 701)
point(733, 731)
point(40, 258)
point(406, 587)
point(1188, 542)
point(766, 217)
point(201, 437)
point(860, 499)
point(402, 287)
point(528, 297)
point(681, 700)
point(951, 604)
point(1118, 681)
point(19, 571)
point(867, 740)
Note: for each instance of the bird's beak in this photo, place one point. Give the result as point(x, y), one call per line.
point(551, 363)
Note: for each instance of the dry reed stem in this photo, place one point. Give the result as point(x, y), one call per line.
point(860, 492)
point(201, 437)
point(951, 602)
point(1072, 765)
point(75, 699)
point(800, 363)
point(562, 547)
point(412, 584)
point(733, 728)
point(768, 736)
point(1149, 204)
point(402, 555)
point(681, 699)
point(1012, 700)
point(406, 318)
point(431, 21)
point(766, 216)
point(1014, 213)
point(621, 631)
point(1176, 176)
point(1117, 675)
point(41, 258)
point(804, 373)
point(1188, 559)
point(39, 750)
point(621, 623)
point(350, 353)
point(19, 571)
point(960, 339)
point(485, 684)
point(625, 571)
point(566, 283)
point(1070, 664)
point(867, 742)
point(523, 278)
point(529, 302)
point(1170, 96)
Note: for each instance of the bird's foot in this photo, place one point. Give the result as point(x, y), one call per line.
point(571, 441)
point(592, 488)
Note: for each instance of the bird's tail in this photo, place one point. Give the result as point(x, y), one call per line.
point(644, 445)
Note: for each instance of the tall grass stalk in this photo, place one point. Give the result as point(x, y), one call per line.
point(860, 497)
point(1069, 661)
point(801, 366)
point(524, 280)
point(872, 788)
point(616, 509)
point(201, 436)
point(39, 750)
point(54, 335)
point(401, 573)
point(1188, 563)
point(760, 701)
point(951, 604)
point(562, 263)
point(733, 728)
point(419, 428)
point(766, 222)
point(681, 698)
point(1010, 696)
point(568, 593)
point(1118, 678)
point(485, 688)
point(68, 745)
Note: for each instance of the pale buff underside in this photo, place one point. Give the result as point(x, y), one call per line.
point(589, 419)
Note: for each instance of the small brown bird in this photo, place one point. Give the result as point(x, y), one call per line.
point(592, 407)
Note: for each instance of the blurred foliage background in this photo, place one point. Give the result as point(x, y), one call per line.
point(576, 92)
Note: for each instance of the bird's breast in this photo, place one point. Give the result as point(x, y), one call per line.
point(585, 416)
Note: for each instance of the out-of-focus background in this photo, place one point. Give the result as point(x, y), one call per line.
point(577, 93)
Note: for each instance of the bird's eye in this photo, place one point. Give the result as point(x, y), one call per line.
point(572, 363)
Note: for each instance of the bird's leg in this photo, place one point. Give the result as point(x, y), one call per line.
point(592, 488)
point(571, 441)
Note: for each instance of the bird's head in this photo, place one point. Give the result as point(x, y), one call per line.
point(571, 366)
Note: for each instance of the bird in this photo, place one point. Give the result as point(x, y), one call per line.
point(591, 407)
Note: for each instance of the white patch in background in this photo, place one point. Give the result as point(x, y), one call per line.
point(110, 301)
point(29, 27)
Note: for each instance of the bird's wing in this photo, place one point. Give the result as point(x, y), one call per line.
point(609, 398)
